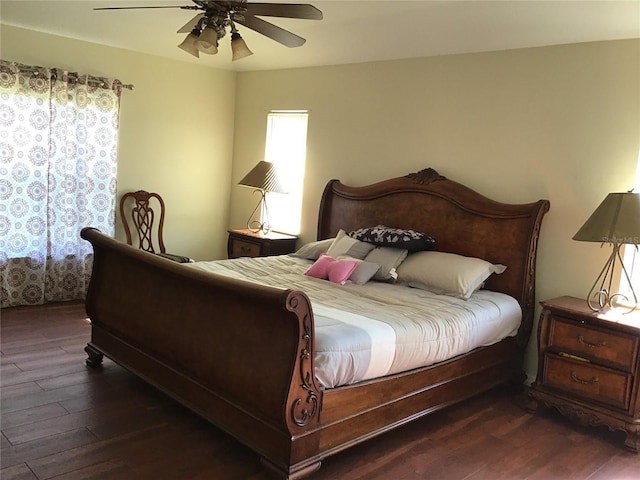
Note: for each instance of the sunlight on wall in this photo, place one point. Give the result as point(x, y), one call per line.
point(631, 256)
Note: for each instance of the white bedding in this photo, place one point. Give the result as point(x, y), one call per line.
point(367, 331)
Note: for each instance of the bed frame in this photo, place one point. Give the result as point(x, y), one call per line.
point(241, 355)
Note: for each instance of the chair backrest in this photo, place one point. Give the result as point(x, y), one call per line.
point(136, 211)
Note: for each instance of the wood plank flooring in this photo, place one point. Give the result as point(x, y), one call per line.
point(61, 420)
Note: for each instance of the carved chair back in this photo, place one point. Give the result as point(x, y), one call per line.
point(137, 212)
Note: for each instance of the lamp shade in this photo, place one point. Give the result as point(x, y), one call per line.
point(207, 42)
point(189, 43)
point(265, 177)
point(239, 47)
point(616, 220)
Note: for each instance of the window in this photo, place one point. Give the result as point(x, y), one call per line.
point(286, 147)
point(631, 260)
point(631, 256)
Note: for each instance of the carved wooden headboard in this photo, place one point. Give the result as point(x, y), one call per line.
point(461, 220)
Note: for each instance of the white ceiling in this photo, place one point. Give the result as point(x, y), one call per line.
point(351, 31)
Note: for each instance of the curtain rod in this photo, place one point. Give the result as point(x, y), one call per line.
point(72, 75)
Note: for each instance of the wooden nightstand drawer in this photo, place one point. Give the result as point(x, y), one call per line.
point(247, 243)
point(587, 380)
point(612, 348)
point(241, 248)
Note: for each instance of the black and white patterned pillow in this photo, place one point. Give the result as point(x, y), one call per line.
point(384, 236)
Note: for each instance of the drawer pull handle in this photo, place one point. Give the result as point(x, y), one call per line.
point(591, 381)
point(599, 344)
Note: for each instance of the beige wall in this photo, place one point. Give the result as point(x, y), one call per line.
point(561, 123)
point(176, 131)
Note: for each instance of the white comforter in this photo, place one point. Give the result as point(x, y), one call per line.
point(367, 331)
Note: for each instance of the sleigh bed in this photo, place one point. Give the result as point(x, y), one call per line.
point(242, 354)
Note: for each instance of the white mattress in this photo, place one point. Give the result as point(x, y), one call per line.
point(367, 331)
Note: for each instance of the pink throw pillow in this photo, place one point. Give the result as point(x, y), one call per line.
point(320, 268)
point(341, 270)
point(336, 271)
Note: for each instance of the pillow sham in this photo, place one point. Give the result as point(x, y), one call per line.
point(363, 272)
point(313, 250)
point(388, 260)
point(343, 245)
point(384, 236)
point(328, 268)
point(446, 273)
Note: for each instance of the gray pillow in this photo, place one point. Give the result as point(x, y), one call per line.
point(446, 273)
point(344, 245)
point(388, 259)
point(363, 272)
point(313, 250)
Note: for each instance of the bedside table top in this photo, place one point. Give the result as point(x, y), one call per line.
point(573, 305)
point(259, 235)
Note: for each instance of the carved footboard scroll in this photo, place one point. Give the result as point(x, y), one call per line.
point(238, 354)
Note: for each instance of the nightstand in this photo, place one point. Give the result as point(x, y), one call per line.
point(246, 243)
point(589, 366)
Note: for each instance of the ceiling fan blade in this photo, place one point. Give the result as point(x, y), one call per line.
point(288, 10)
point(189, 7)
point(191, 24)
point(272, 31)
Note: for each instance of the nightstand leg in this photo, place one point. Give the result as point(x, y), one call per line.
point(632, 442)
point(531, 404)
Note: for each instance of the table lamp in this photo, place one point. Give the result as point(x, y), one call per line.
point(616, 222)
point(264, 178)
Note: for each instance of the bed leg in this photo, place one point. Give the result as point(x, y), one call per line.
point(95, 357)
point(291, 475)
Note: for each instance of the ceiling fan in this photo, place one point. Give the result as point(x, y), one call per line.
point(209, 26)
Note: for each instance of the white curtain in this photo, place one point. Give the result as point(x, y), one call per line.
point(58, 158)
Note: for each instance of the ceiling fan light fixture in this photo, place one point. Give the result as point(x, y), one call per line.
point(207, 42)
point(189, 43)
point(216, 16)
point(239, 47)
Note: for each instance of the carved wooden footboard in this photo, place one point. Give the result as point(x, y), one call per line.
point(240, 355)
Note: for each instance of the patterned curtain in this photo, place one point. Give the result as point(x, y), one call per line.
point(58, 157)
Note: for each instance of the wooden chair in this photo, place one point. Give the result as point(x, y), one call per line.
point(136, 208)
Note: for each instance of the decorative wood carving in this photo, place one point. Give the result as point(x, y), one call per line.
point(426, 176)
point(304, 409)
point(302, 413)
point(581, 417)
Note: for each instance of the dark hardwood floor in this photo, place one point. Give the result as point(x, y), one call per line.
point(63, 420)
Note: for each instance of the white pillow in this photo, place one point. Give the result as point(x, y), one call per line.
point(446, 273)
point(388, 258)
point(343, 245)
